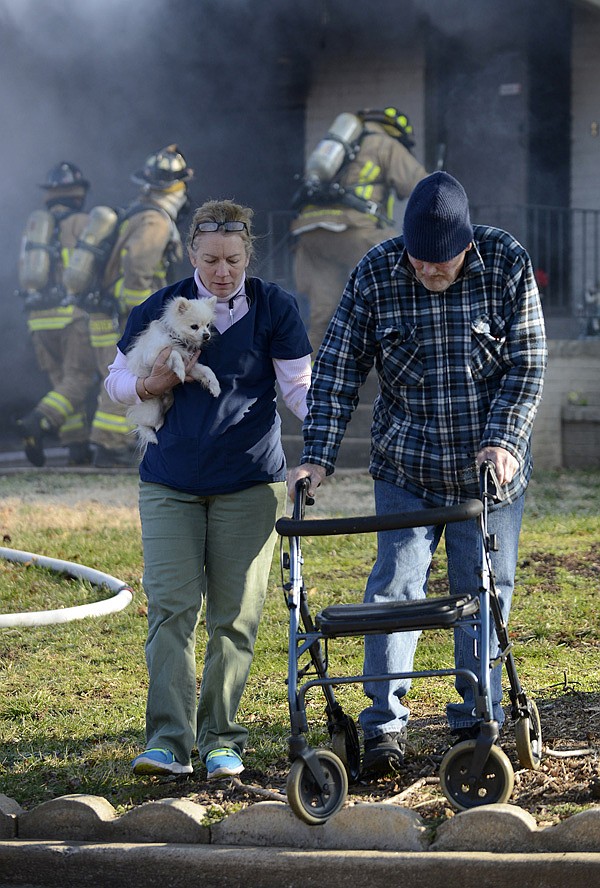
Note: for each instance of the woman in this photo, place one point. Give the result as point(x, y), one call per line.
point(211, 490)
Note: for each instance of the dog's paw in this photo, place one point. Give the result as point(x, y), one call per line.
point(214, 388)
point(177, 365)
point(207, 378)
point(212, 383)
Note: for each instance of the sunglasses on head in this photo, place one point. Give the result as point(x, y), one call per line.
point(214, 226)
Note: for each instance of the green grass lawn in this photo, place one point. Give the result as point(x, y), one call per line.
point(72, 696)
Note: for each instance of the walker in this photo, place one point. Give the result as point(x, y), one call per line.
point(473, 772)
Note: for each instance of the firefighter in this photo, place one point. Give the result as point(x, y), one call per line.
point(58, 327)
point(148, 244)
point(340, 219)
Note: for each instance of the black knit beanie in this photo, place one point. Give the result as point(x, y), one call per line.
point(437, 226)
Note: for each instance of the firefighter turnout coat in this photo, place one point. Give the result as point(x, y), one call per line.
point(332, 237)
point(60, 338)
point(147, 243)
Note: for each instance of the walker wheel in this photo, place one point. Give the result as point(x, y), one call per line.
point(346, 745)
point(528, 734)
point(308, 802)
point(494, 785)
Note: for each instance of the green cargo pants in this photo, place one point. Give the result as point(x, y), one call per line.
point(216, 551)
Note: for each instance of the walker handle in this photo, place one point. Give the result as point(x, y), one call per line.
point(289, 527)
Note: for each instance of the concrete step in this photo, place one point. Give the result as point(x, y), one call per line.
point(354, 452)
point(358, 427)
point(355, 447)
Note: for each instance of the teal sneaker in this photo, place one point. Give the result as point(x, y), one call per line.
point(223, 763)
point(158, 762)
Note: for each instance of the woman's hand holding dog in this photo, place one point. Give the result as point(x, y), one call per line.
point(162, 378)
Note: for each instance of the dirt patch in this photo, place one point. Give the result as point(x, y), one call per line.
point(547, 564)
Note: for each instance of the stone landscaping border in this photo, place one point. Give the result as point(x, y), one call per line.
point(79, 841)
point(366, 826)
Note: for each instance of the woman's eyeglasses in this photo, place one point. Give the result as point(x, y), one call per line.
point(214, 226)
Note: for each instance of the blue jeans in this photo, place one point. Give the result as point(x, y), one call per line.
point(401, 572)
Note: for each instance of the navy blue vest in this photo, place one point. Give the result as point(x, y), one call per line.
point(209, 445)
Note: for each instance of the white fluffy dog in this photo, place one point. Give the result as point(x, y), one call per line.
point(185, 326)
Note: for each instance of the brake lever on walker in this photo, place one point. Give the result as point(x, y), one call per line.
point(491, 486)
point(304, 484)
point(302, 498)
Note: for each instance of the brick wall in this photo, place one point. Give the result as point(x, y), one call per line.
point(567, 427)
point(343, 82)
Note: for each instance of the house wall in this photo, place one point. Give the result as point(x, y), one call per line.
point(341, 83)
point(585, 107)
point(568, 420)
point(585, 164)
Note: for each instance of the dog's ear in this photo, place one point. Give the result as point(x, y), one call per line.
point(182, 306)
point(212, 301)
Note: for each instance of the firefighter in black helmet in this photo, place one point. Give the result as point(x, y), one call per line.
point(58, 328)
point(147, 246)
point(353, 211)
point(65, 175)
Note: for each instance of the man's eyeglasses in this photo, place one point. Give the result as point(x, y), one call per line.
point(214, 226)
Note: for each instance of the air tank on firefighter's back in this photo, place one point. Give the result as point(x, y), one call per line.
point(35, 253)
point(331, 152)
point(79, 275)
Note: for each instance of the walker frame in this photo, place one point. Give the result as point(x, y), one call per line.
point(473, 772)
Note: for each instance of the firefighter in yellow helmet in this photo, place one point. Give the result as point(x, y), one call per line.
point(147, 245)
point(344, 212)
point(58, 327)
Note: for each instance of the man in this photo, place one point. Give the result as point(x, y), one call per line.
point(148, 244)
point(450, 316)
point(58, 328)
point(333, 231)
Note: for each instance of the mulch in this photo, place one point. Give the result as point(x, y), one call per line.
point(567, 780)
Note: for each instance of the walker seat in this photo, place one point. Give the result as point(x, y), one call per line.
point(394, 616)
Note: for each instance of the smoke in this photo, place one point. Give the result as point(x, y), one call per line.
point(77, 74)
point(85, 81)
point(41, 20)
point(103, 83)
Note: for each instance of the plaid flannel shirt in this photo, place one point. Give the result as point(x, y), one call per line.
point(457, 371)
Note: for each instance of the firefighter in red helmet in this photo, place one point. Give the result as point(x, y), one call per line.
point(58, 327)
point(343, 212)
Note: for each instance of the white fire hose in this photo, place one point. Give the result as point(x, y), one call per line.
point(119, 600)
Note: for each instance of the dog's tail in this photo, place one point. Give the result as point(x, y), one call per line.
point(143, 433)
